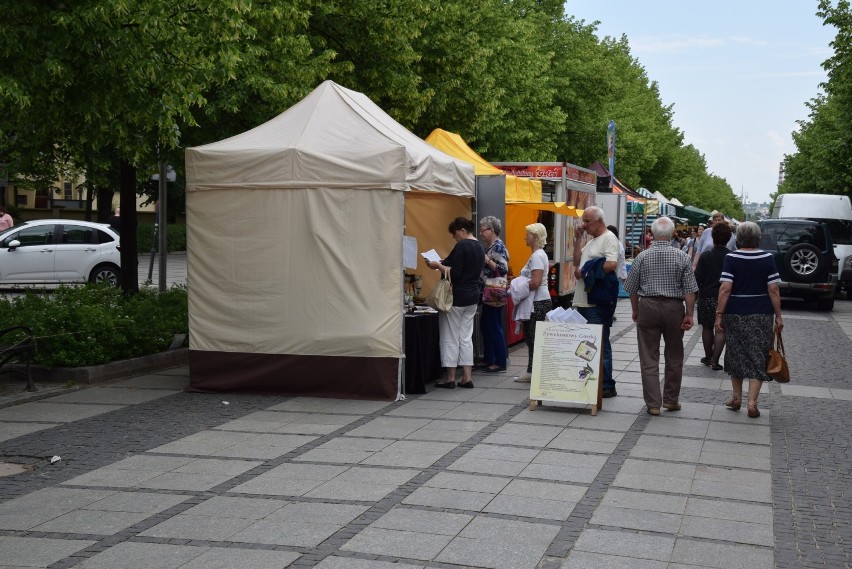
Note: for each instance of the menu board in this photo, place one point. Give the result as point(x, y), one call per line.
point(567, 364)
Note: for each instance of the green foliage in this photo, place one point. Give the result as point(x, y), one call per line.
point(139, 81)
point(822, 162)
point(96, 324)
point(175, 238)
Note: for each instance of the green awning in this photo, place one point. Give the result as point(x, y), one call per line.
point(693, 214)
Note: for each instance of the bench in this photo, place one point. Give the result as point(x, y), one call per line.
point(18, 344)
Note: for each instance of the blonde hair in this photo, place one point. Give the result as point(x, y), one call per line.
point(540, 233)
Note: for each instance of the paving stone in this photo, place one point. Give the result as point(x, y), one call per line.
point(141, 502)
point(395, 543)
point(92, 522)
point(335, 562)
point(130, 555)
point(722, 556)
point(448, 498)
point(111, 395)
point(228, 558)
point(46, 412)
point(728, 530)
point(235, 507)
point(526, 506)
point(203, 528)
point(467, 482)
point(637, 519)
point(184, 481)
point(584, 560)
point(642, 546)
point(422, 521)
point(547, 415)
point(523, 435)
point(667, 448)
point(14, 430)
point(38, 552)
point(112, 478)
point(586, 440)
point(281, 532)
point(544, 490)
point(619, 422)
point(663, 503)
point(676, 427)
point(389, 427)
point(317, 513)
point(491, 553)
point(748, 433)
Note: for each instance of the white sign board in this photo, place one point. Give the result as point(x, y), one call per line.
point(567, 364)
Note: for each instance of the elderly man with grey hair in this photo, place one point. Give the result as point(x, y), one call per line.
point(660, 283)
point(602, 245)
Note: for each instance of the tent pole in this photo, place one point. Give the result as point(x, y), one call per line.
point(400, 372)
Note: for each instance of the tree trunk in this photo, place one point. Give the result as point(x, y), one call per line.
point(129, 259)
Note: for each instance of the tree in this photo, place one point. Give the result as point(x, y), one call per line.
point(822, 162)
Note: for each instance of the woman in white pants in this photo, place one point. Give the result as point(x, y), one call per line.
point(465, 263)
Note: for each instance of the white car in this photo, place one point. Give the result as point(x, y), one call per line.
point(52, 251)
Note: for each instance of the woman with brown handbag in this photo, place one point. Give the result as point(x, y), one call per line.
point(748, 298)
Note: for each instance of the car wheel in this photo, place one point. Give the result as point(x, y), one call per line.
point(105, 274)
point(804, 261)
point(825, 304)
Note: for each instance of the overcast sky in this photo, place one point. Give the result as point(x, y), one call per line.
point(738, 73)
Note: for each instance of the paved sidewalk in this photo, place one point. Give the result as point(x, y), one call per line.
point(151, 477)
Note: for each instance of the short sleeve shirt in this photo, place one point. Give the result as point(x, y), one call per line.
point(605, 245)
point(750, 274)
point(538, 261)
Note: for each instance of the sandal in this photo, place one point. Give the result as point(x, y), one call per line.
point(734, 404)
point(753, 411)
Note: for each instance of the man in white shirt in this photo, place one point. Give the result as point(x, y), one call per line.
point(602, 244)
point(705, 243)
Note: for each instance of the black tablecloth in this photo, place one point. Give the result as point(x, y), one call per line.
point(422, 352)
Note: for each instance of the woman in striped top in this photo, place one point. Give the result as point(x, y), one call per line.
point(748, 299)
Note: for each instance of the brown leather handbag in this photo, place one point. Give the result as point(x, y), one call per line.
point(776, 366)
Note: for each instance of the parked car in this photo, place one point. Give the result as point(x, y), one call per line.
point(804, 255)
point(53, 251)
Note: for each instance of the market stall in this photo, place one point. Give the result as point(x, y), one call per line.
point(295, 247)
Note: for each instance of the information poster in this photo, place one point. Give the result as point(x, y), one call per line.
point(567, 363)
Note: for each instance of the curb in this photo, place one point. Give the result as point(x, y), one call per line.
point(111, 370)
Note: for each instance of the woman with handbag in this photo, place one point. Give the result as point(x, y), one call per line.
point(455, 326)
point(494, 291)
point(748, 298)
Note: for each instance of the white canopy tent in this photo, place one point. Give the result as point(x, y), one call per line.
point(294, 247)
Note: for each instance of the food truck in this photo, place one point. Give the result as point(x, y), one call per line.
point(564, 186)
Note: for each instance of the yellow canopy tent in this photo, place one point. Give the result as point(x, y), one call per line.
point(519, 191)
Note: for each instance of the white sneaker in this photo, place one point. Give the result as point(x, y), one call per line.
point(524, 378)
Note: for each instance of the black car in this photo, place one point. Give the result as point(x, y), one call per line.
point(804, 255)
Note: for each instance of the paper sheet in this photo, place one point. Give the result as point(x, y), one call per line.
point(431, 255)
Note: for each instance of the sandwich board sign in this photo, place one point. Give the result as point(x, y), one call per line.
point(567, 364)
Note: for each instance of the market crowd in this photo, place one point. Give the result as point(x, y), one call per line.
point(716, 269)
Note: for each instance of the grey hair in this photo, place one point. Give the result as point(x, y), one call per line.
point(596, 212)
point(491, 222)
point(663, 228)
point(748, 235)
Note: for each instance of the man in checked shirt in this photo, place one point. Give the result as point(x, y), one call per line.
point(660, 282)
